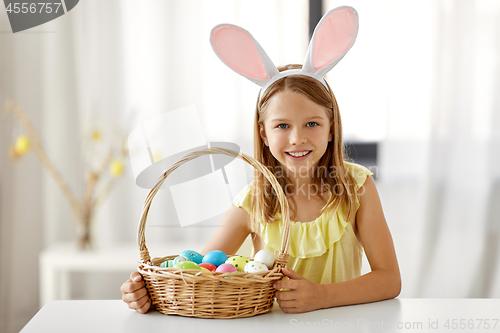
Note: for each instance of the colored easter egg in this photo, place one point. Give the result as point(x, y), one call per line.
point(187, 265)
point(226, 268)
point(255, 267)
point(192, 256)
point(180, 259)
point(208, 266)
point(167, 263)
point(238, 261)
point(215, 257)
point(204, 269)
point(266, 257)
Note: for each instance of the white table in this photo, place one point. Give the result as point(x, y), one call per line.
point(396, 315)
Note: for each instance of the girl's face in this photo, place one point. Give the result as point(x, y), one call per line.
point(297, 132)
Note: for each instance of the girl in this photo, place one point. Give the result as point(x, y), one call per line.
point(335, 208)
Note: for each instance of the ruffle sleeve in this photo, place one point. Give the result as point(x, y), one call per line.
point(243, 198)
point(359, 173)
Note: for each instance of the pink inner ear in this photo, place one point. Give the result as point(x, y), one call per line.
point(238, 50)
point(334, 37)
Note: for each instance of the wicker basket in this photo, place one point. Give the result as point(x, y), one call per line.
point(203, 294)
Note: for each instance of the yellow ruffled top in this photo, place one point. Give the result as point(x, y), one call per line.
point(325, 250)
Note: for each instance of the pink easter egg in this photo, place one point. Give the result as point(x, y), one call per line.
point(226, 268)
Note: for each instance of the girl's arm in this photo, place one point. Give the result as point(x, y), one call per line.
point(232, 232)
point(383, 282)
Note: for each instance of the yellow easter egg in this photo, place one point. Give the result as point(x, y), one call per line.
point(116, 168)
point(238, 261)
point(23, 145)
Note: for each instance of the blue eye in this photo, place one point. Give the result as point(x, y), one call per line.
point(282, 126)
point(312, 124)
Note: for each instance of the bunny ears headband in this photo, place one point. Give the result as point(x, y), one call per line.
point(332, 38)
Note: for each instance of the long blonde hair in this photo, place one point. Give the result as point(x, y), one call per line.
point(331, 171)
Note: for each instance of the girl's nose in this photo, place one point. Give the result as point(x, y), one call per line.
point(297, 137)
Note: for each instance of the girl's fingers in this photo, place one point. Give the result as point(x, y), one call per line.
point(285, 295)
point(287, 307)
point(145, 307)
point(286, 284)
point(139, 304)
point(130, 287)
point(292, 274)
point(290, 310)
point(286, 303)
point(135, 296)
point(135, 276)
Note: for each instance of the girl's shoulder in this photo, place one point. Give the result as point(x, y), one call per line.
point(244, 199)
point(358, 172)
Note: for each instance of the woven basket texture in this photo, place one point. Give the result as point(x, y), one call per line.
point(203, 294)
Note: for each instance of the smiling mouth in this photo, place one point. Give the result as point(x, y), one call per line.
point(299, 154)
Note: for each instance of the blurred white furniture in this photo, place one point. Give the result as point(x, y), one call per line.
point(59, 260)
point(396, 315)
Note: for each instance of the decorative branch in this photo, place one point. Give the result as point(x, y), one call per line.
point(106, 189)
point(15, 110)
point(84, 208)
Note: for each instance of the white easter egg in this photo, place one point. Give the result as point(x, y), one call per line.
point(255, 267)
point(266, 257)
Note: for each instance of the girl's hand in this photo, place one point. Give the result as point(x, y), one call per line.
point(302, 296)
point(134, 293)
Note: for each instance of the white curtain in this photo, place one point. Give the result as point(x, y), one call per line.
point(463, 220)
point(439, 175)
point(428, 74)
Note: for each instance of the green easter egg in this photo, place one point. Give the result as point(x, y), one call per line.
point(187, 265)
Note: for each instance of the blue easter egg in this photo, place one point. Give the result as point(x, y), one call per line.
point(192, 256)
point(215, 257)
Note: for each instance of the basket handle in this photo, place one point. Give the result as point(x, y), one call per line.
point(285, 243)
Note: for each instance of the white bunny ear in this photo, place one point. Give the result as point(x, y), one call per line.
point(237, 48)
point(332, 38)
